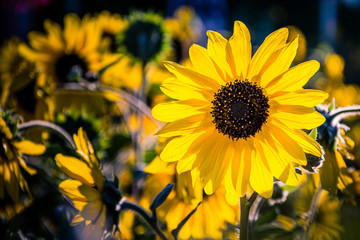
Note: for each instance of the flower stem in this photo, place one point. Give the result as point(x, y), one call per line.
point(312, 212)
point(39, 123)
point(245, 206)
point(124, 204)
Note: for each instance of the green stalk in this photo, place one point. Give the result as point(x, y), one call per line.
point(246, 232)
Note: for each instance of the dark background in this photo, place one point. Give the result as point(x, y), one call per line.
point(336, 22)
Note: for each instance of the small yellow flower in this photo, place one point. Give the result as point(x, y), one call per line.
point(238, 118)
point(12, 180)
point(94, 197)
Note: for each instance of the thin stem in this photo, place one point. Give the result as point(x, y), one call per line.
point(312, 212)
point(124, 204)
point(244, 218)
point(247, 221)
point(39, 123)
point(339, 113)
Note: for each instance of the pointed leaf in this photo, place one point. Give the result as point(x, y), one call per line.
point(332, 105)
point(313, 133)
point(161, 197)
point(176, 231)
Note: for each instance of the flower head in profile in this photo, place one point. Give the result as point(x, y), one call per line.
point(240, 118)
point(334, 173)
point(13, 166)
point(94, 196)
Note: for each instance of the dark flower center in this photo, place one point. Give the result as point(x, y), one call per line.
point(240, 108)
point(65, 65)
point(143, 40)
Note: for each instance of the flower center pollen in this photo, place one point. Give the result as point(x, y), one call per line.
point(239, 109)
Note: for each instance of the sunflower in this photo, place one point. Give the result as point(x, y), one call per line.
point(59, 52)
point(94, 196)
point(17, 77)
point(12, 179)
point(211, 217)
point(110, 24)
point(145, 38)
point(240, 118)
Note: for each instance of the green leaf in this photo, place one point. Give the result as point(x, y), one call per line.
point(313, 133)
point(176, 231)
point(150, 154)
point(332, 105)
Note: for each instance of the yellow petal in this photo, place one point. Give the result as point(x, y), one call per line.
point(186, 164)
point(241, 167)
point(203, 64)
point(344, 180)
point(75, 168)
point(11, 183)
point(76, 220)
point(261, 180)
point(2, 184)
point(92, 210)
point(80, 143)
point(217, 51)
point(216, 164)
point(185, 126)
point(230, 193)
point(172, 111)
point(30, 148)
point(297, 117)
point(329, 173)
point(282, 144)
point(278, 63)
point(241, 49)
point(303, 97)
point(181, 91)
point(280, 167)
point(178, 147)
point(190, 77)
point(271, 44)
point(76, 190)
point(307, 143)
point(294, 78)
point(160, 167)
